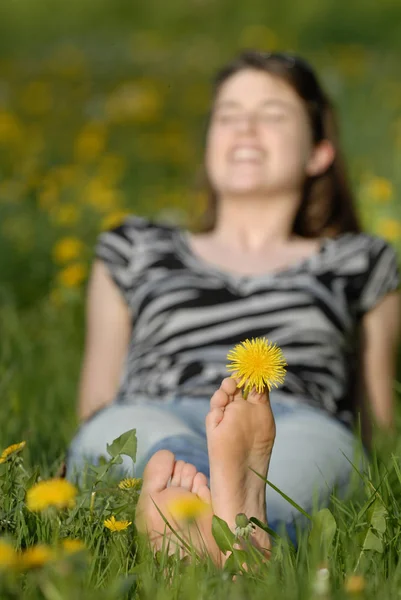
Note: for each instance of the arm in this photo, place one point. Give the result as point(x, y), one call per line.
point(107, 335)
point(381, 331)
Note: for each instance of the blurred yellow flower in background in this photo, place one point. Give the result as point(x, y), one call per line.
point(67, 249)
point(113, 219)
point(56, 492)
point(111, 168)
point(66, 214)
point(115, 525)
point(8, 556)
point(36, 556)
point(13, 449)
point(73, 275)
point(136, 101)
point(389, 229)
point(11, 129)
point(379, 189)
point(37, 98)
point(90, 142)
point(72, 546)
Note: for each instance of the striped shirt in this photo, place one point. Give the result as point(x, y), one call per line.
point(187, 314)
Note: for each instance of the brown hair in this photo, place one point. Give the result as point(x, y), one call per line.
point(327, 205)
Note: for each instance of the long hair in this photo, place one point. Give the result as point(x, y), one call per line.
point(327, 206)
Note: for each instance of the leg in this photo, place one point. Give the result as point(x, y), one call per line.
point(153, 423)
point(308, 460)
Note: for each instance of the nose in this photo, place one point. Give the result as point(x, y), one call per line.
point(247, 123)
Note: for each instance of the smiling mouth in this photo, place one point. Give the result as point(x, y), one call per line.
point(247, 156)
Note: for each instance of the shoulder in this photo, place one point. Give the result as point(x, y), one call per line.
point(134, 231)
point(358, 253)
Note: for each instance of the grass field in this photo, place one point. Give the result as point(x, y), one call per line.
point(102, 108)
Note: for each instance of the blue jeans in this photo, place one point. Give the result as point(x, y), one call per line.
point(309, 456)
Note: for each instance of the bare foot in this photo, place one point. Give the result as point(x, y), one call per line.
point(240, 436)
point(164, 481)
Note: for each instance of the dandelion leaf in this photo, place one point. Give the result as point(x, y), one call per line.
point(224, 537)
point(378, 515)
point(125, 444)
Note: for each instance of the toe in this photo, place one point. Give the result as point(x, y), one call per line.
point(188, 476)
point(199, 480)
point(213, 418)
point(229, 386)
point(158, 471)
point(220, 399)
point(204, 494)
point(256, 398)
point(176, 476)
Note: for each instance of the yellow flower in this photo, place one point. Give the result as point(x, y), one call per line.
point(90, 143)
point(66, 214)
point(188, 507)
point(67, 249)
point(389, 229)
point(8, 556)
point(355, 584)
point(258, 363)
point(13, 449)
point(113, 219)
point(36, 556)
point(72, 276)
point(52, 492)
point(114, 525)
point(71, 546)
point(130, 484)
point(380, 189)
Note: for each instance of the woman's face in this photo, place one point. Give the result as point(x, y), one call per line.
point(259, 139)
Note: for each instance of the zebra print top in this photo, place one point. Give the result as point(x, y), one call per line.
point(187, 314)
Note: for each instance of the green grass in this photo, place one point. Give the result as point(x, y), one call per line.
point(61, 64)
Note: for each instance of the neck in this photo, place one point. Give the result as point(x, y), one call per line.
point(253, 222)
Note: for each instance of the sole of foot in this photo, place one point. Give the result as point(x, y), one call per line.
point(240, 436)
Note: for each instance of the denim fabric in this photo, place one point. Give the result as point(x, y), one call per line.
point(311, 454)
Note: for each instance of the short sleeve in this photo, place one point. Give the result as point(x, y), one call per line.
point(116, 248)
point(382, 275)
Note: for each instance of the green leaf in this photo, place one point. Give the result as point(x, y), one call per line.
point(378, 515)
point(224, 537)
point(125, 444)
point(265, 527)
point(235, 561)
point(323, 530)
point(372, 542)
point(100, 470)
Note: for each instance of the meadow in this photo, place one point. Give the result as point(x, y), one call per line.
point(102, 113)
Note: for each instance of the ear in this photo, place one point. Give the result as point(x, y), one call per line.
point(320, 159)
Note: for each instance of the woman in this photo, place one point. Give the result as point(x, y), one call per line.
point(283, 258)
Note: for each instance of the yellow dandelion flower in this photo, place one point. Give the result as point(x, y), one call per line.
point(72, 546)
point(188, 507)
point(67, 249)
point(355, 584)
point(13, 449)
point(36, 556)
point(72, 276)
point(8, 556)
point(380, 189)
point(130, 484)
point(56, 492)
point(115, 525)
point(258, 364)
point(113, 219)
point(389, 229)
point(66, 214)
